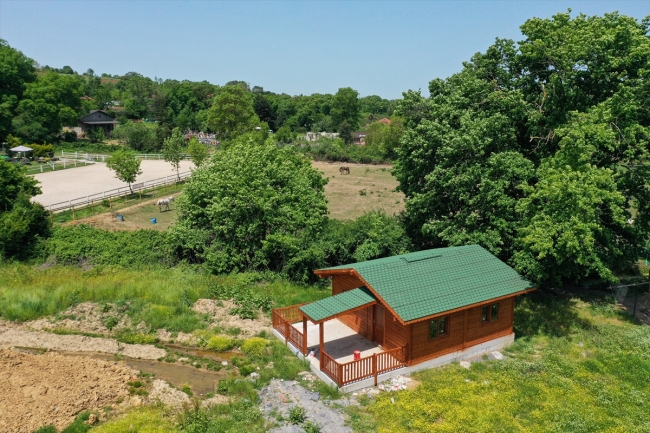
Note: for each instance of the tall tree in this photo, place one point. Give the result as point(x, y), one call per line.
point(22, 222)
point(48, 104)
point(232, 113)
point(345, 107)
point(198, 152)
point(173, 150)
point(252, 207)
point(125, 165)
point(537, 150)
point(16, 70)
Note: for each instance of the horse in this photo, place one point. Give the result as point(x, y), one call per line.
point(344, 170)
point(164, 202)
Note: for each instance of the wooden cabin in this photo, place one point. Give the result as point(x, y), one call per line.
point(404, 313)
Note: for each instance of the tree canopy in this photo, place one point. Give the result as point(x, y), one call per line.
point(254, 207)
point(537, 150)
point(125, 165)
point(22, 222)
point(231, 113)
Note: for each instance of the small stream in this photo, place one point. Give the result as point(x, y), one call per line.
point(201, 381)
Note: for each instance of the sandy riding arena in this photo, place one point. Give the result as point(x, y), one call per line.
point(59, 186)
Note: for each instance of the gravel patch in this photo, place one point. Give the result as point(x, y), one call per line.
point(280, 396)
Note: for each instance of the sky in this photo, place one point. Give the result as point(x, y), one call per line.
point(297, 47)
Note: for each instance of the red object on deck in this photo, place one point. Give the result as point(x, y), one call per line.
point(357, 355)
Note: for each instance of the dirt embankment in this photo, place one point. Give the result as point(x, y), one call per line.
point(50, 389)
point(15, 335)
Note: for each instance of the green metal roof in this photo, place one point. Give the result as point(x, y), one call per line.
point(337, 304)
point(424, 283)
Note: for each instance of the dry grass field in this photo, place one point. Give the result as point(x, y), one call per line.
point(366, 188)
point(135, 217)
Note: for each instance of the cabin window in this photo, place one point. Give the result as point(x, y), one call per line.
point(490, 313)
point(438, 327)
point(494, 313)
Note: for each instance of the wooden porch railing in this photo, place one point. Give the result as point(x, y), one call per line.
point(330, 367)
point(357, 370)
point(283, 319)
point(295, 337)
point(370, 366)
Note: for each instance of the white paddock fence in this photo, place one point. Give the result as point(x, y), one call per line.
point(90, 200)
point(103, 158)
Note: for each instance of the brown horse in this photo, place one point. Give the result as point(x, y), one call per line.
point(344, 170)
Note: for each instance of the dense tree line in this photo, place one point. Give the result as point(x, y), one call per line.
point(35, 102)
point(537, 150)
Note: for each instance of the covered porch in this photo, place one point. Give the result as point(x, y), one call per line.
point(318, 332)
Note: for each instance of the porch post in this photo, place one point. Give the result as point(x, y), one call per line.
point(320, 355)
point(304, 334)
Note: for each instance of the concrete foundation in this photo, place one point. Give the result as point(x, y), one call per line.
point(460, 355)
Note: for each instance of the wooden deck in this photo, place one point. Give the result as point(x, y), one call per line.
point(336, 359)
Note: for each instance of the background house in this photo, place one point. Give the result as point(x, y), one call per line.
point(98, 119)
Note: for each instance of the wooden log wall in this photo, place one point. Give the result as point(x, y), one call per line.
point(342, 283)
point(478, 332)
point(395, 333)
point(465, 330)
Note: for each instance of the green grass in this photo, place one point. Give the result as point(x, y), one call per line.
point(579, 365)
point(160, 297)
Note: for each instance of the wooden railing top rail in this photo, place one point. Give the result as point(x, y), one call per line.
point(290, 313)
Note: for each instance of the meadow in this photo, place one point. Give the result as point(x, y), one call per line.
point(579, 364)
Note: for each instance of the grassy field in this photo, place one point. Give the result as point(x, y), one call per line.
point(366, 188)
point(579, 364)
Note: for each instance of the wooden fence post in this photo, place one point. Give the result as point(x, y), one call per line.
point(92, 206)
point(374, 367)
point(73, 217)
point(51, 221)
point(340, 374)
point(304, 334)
point(286, 332)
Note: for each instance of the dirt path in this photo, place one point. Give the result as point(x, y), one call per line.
point(14, 335)
point(50, 389)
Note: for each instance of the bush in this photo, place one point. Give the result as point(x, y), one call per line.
point(137, 338)
point(245, 370)
point(255, 346)
point(219, 343)
point(75, 244)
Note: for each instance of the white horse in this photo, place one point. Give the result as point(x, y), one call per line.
point(164, 202)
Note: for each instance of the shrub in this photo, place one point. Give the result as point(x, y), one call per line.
point(219, 343)
point(137, 338)
point(71, 245)
point(245, 370)
point(255, 346)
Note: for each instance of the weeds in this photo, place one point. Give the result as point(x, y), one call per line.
point(297, 415)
